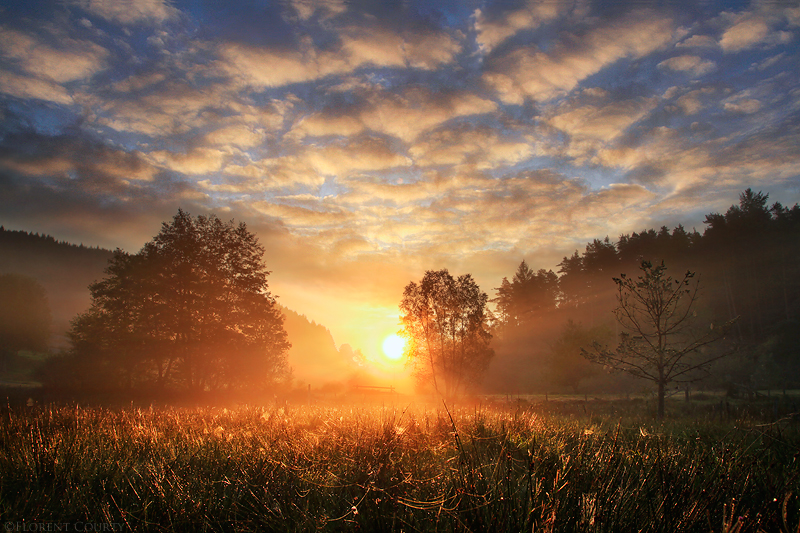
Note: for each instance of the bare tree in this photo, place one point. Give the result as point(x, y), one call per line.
point(663, 341)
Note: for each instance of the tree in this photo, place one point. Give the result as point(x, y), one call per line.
point(661, 341)
point(572, 282)
point(192, 308)
point(528, 296)
point(445, 324)
point(24, 316)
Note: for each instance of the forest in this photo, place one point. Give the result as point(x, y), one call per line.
point(747, 261)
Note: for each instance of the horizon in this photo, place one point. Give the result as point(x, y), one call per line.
point(366, 143)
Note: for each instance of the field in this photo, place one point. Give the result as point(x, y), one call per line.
point(508, 467)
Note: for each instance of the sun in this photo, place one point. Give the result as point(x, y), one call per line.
point(393, 346)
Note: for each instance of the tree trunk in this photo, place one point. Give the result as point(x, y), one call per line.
point(661, 393)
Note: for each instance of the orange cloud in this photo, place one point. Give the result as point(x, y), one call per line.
point(686, 63)
point(72, 60)
point(405, 115)
point(263, 67)
point(130, 11)
point(527, 72)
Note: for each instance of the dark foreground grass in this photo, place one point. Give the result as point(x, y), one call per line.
point(390, 469)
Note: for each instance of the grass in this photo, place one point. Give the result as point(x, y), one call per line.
point(395, 469)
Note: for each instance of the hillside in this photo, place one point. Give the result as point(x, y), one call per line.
point(65, 271)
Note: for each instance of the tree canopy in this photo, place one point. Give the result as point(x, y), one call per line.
point(527, 297)
point(445, 322)
point(191, 310)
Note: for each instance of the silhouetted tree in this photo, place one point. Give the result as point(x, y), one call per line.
point(572, 281)
point(600, 261)
point(445, 324)
point(24, 316)
point(192, 307)
point(528, 296)
point(753, 251)
point(661, 342)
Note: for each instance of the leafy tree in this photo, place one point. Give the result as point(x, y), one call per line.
point(445, 323)
point(661, 342)
point(572, 282)
point(191, 308)
point(24, 316)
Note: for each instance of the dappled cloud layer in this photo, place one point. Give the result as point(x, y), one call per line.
point(367, 142)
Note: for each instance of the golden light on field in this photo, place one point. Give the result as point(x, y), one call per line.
point(393, 346)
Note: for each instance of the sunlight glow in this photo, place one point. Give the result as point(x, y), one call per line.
point(393, 346)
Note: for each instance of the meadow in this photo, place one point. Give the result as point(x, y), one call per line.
point(408, 467)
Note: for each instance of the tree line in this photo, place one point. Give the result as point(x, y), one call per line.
point(749, 260)
point(192, 310)
point(663, 305)
point(748, 263)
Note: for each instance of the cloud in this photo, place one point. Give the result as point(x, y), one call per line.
point(130, 11)
point(696, 65)
point(72, 60)
point(698, 41)
point(745, 34)
point(690, 103)
point(593, 120)
point(241, 135)
point(405, 115)
point(603, 121)
point(363, 189)
point(197, 161)
point(43, 69)
point(27, 87)
point(743, 105)
point(330, 122)
point(768, 62)
point(155, 105)
point(749, 31)
point(74, 158)
point(362, 155)
point(309, 165)
point(379, 47)
point(424, 50)
point(325, 9)
point(312, 217)
point(494, 31)
point(480, 146)
point(528, 72)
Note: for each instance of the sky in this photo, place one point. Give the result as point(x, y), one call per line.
point(366, 142)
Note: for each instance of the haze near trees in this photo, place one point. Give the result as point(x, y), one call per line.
point(192, 310)
point(445, 323)
point(24, 316)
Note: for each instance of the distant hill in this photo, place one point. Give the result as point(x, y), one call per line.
point(314, 358)
point(65, 271)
